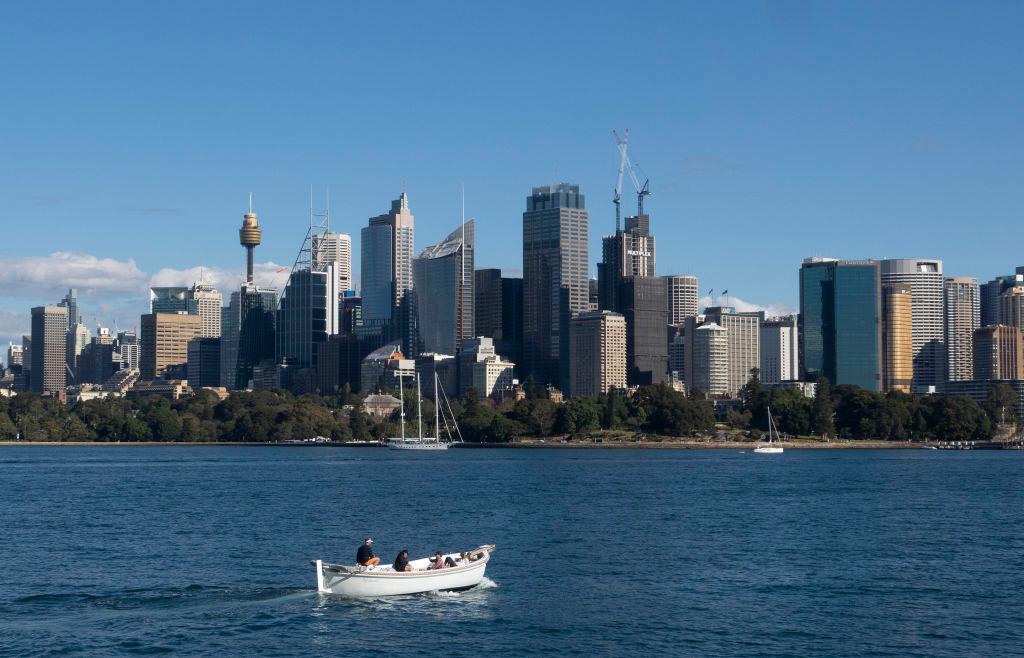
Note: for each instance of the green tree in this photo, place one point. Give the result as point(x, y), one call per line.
point(671, 413)
point(823, 410)
point(359, 423)
point(1001, 405)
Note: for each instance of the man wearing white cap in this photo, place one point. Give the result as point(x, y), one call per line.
point(365, 556)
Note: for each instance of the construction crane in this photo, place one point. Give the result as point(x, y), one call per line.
point(623, 145)
point(627, 165)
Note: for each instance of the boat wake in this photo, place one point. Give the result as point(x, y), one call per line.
point(149, 600)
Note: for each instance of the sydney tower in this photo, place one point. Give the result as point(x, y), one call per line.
point(249, 236)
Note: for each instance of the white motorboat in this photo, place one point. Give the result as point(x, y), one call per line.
point(383, 580)
point(770, 449)
point(421, 442)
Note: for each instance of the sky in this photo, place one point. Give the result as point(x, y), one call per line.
point(132, 133)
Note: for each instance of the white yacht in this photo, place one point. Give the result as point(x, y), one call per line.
point(770, 449)
point(442, 413)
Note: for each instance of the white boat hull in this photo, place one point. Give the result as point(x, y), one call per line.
point(768, 450)
point(414, 444)
point(384, 581)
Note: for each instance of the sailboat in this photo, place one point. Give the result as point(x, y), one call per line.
point(770, 449)
point(420, 442)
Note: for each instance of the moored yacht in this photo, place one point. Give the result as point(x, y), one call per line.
point(441, 415)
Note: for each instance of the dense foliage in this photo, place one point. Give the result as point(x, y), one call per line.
point(851, 412)
point(655, 411)
point(279, 415)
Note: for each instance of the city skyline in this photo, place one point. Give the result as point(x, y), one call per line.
point(763, 153)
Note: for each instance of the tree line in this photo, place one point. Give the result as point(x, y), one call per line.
point(654, 411)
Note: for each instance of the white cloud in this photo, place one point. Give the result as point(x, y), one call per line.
point(743, 306)
point(111, 292)
point(268, 274)
point(50, 276)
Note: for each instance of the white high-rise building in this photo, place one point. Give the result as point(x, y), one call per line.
point(683, 298)
point(491, 375)
point(205, 301)
point(962, 318)
point(597, 353)
point(711, 359)
point(924, 276)
point(336, 248)
point(744, 339)
point(779, 351)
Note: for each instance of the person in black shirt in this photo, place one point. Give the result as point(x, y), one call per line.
point(365, 556)
point(402, 561)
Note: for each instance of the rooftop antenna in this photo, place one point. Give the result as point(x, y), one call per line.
point(250, 202)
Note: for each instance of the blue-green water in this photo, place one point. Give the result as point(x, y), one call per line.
point(204, 550)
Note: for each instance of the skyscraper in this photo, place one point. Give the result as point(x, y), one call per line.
point(628, 253)
point(628, 285)
point(168, 299)
point(962, 319)
point(77, 338)
point(70, 302)
point(998, 353)
point(682, 297)
point(307, 315)
point(444, 281)
point(203, 362)
point(598, 353)
point(988, 294)
point(840, 322)
point(499, 313)
point(779, 350)
point(1011, 307)
point(247, 334)
point(743, 339)
point(924, 276)
point(333, 247)
point(711, 359)
point(49, 349)
point(897, 338)
point(206, 302)
point(387, 253)
point(555, 280)
point(163, 348)
point(14, 355)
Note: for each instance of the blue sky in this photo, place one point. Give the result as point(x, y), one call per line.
point(131, 133)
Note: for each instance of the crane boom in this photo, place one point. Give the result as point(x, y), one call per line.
point(623, 145)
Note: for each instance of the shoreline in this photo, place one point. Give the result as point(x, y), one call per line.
point(527, 444)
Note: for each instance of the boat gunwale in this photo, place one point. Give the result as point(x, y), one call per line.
point(428, 573)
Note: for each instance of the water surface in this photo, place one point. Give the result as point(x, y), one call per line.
point(204, 551)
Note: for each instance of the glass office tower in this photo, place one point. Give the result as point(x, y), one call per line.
point(840, 322)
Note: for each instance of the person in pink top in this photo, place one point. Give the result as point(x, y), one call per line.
point(438, 561)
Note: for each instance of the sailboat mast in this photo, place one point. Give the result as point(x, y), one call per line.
point(401, 399)
point(419, 407)
point(437, 410)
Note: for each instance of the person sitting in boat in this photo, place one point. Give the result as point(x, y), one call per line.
point(449, 562)
point(402, 561)
point(464, 558)
point(365, 556)
point(438, 561)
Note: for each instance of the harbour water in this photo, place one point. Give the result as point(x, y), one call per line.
point(205, 551)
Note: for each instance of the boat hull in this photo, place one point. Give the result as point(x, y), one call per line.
point(768, 450)
point(399, 444)
point(382, 581)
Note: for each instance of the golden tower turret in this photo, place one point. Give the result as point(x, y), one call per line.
point(249, 236)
